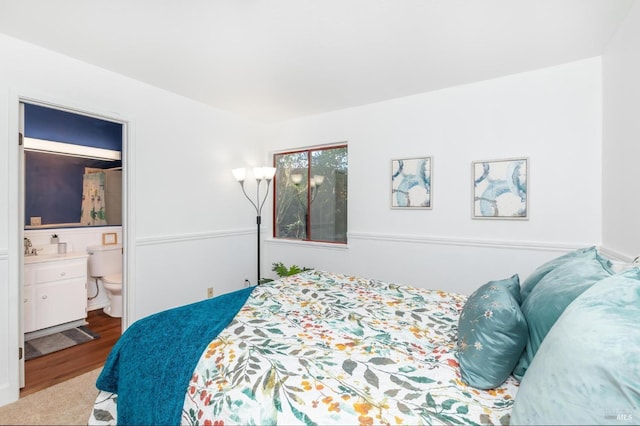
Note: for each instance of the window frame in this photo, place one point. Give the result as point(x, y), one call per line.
point(308, 151)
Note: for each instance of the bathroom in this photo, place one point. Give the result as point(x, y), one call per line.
point(72, 203)
point(76, 240)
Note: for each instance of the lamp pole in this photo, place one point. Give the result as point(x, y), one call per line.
point(261, 174)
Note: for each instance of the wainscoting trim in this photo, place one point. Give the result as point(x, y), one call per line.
point(616, 255)
point(466, 242)
point(307, 244)
point(370, 236)
point(167, 239)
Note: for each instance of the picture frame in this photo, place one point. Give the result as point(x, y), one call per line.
point(500, 189)
point(109, 238)
point(412, 183)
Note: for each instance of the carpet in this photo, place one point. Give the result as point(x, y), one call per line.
point(67, 403)
point(57, 341)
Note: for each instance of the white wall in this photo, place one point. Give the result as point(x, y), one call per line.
point(621, 138)
point(183, 201)
point(552, 116)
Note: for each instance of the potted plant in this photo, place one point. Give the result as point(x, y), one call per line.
point(54, 239)
point(283, 271)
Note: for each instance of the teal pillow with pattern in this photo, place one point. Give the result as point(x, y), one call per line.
point(492, 333)
point(587, 370)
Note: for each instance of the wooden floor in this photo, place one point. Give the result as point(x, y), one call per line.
point(47, 370)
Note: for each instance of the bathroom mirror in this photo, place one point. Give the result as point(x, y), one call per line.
point(72, 169)
point(65, 191)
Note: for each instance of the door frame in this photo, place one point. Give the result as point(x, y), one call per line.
point(16, 225)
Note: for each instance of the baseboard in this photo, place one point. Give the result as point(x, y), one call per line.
point(55, 329)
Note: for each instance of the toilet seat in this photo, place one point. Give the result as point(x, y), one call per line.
point(114, 279)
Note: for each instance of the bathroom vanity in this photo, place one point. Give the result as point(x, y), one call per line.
point(54, 290)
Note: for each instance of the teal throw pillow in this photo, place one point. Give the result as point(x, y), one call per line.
point(492, 333)
point(542, 270)
point(549, 298)
point(587, 370)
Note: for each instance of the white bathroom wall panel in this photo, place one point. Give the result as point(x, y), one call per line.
point(551, 116)
point(621, 133)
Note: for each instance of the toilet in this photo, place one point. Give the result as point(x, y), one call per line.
point(105, 263)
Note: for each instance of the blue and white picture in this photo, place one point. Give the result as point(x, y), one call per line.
point(500, 189)
point(411, 183)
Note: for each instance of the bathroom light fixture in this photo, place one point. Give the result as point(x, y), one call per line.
point(72, 150)
point(261, 174)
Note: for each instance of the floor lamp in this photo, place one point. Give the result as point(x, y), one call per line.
point(261, 174)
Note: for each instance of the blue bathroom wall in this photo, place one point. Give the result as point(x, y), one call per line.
point(53, 183)
point(54, 186)
point(61, 126)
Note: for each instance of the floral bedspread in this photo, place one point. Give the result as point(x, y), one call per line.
point(322, 348)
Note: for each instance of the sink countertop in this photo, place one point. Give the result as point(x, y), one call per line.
point(50, 257)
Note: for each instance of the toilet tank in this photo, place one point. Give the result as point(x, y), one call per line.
point(105, 260)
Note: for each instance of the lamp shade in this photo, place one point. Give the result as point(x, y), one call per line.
point(258, 173)
point(239, 173)
point(269, 172)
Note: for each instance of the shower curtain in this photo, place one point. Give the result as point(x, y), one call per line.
point(93, 201)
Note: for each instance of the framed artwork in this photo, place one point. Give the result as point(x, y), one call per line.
point(411, 183)
point(500, 189)
point(109, 238)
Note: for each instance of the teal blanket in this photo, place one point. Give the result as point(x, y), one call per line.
point(151, 364)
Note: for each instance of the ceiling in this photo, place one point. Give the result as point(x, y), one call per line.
point(274, 60)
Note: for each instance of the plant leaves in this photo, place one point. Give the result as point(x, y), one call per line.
point(381, 361)
point(391, 392)
point(349, 366)
point(276, 397)
point(420, 379)
point(269, 380)
point(414, 395)
point(462, 409)
point(448, 403)
point(406, 385)
point(403, 408)
point(301, 416)
point(371, 378)
point(430, 400)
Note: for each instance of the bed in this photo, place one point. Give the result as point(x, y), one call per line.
point(325, 348)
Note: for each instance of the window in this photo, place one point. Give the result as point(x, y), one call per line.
point(310, 200)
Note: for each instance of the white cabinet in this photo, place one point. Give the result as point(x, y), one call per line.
point(28, 297)
point(54, 291)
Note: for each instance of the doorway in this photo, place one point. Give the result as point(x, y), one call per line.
point(59, 147)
